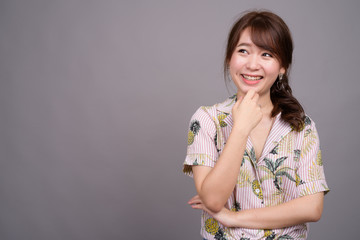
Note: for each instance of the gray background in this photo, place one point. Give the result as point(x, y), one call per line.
point(96, 98)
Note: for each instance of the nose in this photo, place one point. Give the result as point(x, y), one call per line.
point(253, 62)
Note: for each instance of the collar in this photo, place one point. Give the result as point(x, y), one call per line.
point(227, 105)
point(278, 131)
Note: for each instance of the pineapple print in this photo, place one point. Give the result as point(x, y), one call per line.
point(256, 189)
point(269, 234)
point(194, 129)
point(319, 159)
point(212, 227)
point(221, 118)
point(236, 207)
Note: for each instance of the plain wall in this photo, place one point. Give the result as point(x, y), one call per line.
point(96, 98)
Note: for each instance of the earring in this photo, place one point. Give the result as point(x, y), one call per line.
point(281, 76)
point(279, 83)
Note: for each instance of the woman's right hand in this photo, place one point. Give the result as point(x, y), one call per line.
point(215, 185)
point(224, 216)
point(246, 112)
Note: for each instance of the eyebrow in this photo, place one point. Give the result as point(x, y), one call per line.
point(244, 44)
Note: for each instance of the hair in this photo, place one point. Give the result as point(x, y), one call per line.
point(269, 32)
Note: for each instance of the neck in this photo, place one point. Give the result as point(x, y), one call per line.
point(266, 105)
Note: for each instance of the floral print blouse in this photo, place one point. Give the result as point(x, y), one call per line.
point(290, 167)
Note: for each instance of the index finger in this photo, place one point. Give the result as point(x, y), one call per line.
point(256, 97)
point(250, 94)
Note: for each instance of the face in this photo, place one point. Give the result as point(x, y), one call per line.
point(252, 67)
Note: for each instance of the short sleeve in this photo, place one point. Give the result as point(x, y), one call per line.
point(201, 148)
point(310, 177)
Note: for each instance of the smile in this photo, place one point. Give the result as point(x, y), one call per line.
point(251, 80)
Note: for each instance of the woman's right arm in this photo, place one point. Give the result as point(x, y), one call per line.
point(214, 185)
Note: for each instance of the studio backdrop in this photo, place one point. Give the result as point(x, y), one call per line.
point(96, 98)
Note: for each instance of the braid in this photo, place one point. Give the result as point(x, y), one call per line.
point(291, 110)
point(270, 32)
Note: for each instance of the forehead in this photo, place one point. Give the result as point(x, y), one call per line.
point(245, 36)
point(245, 39)
point(258, 37)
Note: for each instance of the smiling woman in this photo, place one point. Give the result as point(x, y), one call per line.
point(256, 158)
point(252, 67)
point(268, 33)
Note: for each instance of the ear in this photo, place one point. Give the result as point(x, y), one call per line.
point(282, 70)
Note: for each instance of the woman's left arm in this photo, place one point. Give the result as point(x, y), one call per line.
point(297, 211)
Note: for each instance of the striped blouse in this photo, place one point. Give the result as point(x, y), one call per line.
point(290, 167)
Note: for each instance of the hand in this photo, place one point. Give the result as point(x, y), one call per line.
point(246, 112)
point(225, 216)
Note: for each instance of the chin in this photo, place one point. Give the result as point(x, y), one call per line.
point(245, 89)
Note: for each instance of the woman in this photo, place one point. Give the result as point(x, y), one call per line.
point(255, 158)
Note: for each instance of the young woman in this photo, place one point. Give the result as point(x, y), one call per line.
point(255, 158)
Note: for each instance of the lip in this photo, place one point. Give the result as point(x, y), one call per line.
point(251, 82)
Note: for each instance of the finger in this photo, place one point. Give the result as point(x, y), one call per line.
point(250, 94)
point(194, 199)
point(200, 206)
point(256, 97)
point(197, 206)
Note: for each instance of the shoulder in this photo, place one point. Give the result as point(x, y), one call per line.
point(210, 113)
point(308, 123)
point(309, 131)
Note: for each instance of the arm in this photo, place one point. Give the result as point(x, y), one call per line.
point(300, 210)
point(214, 185)
point(297, 211)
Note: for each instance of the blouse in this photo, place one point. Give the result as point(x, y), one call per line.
point(290, 167)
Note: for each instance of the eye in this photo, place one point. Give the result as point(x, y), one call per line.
point(267, 54)
point(242, 51)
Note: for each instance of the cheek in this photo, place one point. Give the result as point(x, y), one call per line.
point(272, 69)
point(236, 63)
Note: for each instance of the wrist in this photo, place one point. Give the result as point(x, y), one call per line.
point(226, 217)
point(234, 219)
point(237, 219)
point(240, 131)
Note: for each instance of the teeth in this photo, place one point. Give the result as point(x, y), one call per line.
point(251, 78)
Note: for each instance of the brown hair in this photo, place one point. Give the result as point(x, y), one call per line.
point(269, 32)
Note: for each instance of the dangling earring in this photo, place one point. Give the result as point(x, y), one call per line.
point(281, 76)
point(279, 83)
